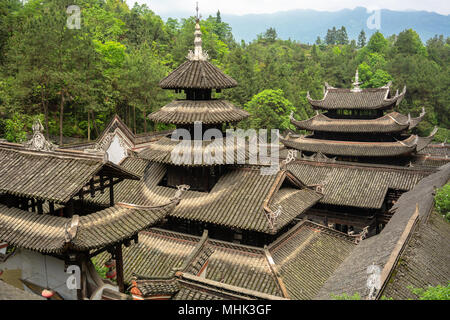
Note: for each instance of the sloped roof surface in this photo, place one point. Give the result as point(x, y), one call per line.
point(207, 111)
point(197, 74)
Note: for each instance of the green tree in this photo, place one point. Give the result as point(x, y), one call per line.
point(377, 43)
point(362, 39)
point(409, 43)
point(269, 110)
point(433, 293)
point(341, 36)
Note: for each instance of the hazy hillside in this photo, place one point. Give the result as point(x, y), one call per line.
point(306, 25)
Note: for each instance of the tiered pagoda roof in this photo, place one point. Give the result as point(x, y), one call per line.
point(391, 122)
point(197, 74)
point(339, 133)
point(212, 111)
point(353, 148)
point(198, 77)
point(362, 99)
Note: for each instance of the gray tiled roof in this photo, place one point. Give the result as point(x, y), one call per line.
point(355, 186)
point(237, 200)
point(307, 256)
point(353, 148)
point(351, 276)
point(197, 74)
point(48, 234)
point(425, 261)
point(53, 176)
point(376, 98)
point(392, 122)
point(207, 111)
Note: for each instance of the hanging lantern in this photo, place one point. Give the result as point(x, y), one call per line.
point(111, 274)
point(110, 263)
point(47, 293)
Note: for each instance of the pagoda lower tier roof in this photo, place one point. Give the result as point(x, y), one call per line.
point(392, 122)
point(358, 149)
point(205, 111)
point(242, 198)
point(197, 74)
point(52, 234)
point(366, 99)
point(206, 153)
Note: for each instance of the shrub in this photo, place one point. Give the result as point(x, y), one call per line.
point(433, 293)
point(442, 200)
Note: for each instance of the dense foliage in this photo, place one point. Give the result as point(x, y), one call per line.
point(442, 200)
point(433, 293)
point(76, 79)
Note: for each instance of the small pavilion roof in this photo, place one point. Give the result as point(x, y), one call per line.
point(206, 111)
point(363, 99)
point(51, 175)
point(392, 122)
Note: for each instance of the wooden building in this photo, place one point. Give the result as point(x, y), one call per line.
point(271, 272)
point(232, 200)
point(356, 127)
point(47, 224)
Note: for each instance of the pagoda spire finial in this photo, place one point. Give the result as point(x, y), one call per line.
point(356, 84)
point(198, 54)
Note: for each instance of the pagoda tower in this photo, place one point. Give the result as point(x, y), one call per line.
point(197, 77)
point(356, 126)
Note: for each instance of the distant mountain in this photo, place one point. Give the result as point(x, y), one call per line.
point(306, 25)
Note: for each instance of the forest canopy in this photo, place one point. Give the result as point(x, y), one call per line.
point(75, 80)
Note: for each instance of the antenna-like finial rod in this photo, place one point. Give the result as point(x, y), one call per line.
point(196, 8)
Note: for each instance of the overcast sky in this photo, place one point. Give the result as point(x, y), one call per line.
point(165, 7)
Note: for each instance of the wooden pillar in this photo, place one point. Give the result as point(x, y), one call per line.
point(119, 268)
point(111, 191)
point(40, 209)
point(52, 208)
point(70, 209)
point(102, 184)
point(33, 205)
point(91, 186)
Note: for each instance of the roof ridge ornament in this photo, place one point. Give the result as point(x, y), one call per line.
point(38, 141)
point(356, 84)
point(198, 54)
point(71, 231)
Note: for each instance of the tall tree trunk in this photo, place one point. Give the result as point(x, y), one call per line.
point(44, 105)
point(94, 124)
point(89, 126)
point(145, 120)
point(61, 118)
point(134, 119)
